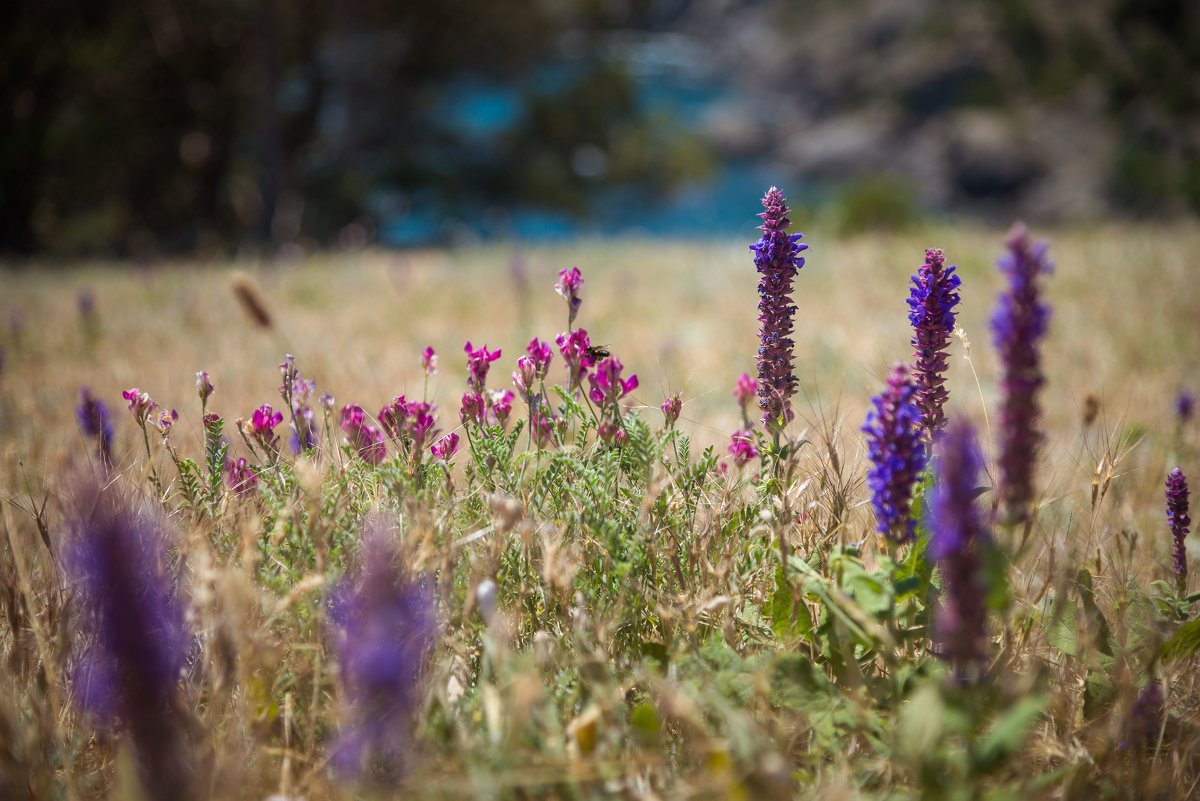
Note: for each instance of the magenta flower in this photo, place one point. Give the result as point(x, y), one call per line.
point(1018, 326)
point(262, 427)
point(1178, 519)
point(525, 378)
point(741, 448)
point(479, 360)
point(671, 409)
point(777, 259)
point(240, 477)
point(931, 301)
point(140, 404)
point(574, 347)
point(392, 416)
point(473, 409)
point(568, 286)
point(540, 355)
point(204, 388)
point(607, 385)
point(429, 361)
point(444, 449)
point(745, 389)
point(165, 420)
point(893, 429)
point(365, 440)
point(611, 433)
point(500, 405)
point(419, 425)
point(542, 425)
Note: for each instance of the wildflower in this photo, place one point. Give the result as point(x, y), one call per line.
point(429, 361)
point(473, 409)
point(1179, 521)
point(444, 449)
point(479, 360)
point(204, 388)
point(1185, 406)
point(165, 420)
point(262, 427)
point(540, 354)
point(134, 640)
point(607, 384)
point(931, 302)
point(365, 440)
point(777, 259)
point(327, 401)
point(392, 416)
point(745, 389)
point(671, 409)
point(94, 422)
point(1018, 325)
point(419, 425)
point(140, 404)
point(542, 425)
point(957, 540)
point(304, 423)
point(384, 629)
point(574, 347)
point(897, 456)
point(500, 405)
point(611, 433)
point(741, 448)
point(1145, 718)
point(525, 378)
point(568, 285)
point(240, 477)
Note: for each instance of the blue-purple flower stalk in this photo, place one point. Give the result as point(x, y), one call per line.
point(777, 259)
point(1179, 521)
point(1018, 326)
point(931, 301)
point(893, 429)
point(133, 640)
point(96, 423)
point(958, 535)
point(384, 633)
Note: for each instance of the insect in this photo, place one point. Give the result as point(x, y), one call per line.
point(596, 352)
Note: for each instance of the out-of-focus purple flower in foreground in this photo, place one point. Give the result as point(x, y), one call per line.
point(444, 449)
point(384, 632)
point(958, 535)
point(607, 385)
point(95, 422)
point(429, 361)
point(479, 361)
point(1185, 406)
point(1145, 718)
point(1018, 326)
point(133, 640)
point(741, 448)
point(1179, 521)
point(931, 302)
point(777, 259)
point(568, 286)
point(672, 407)
point(365, 440)
point(893, 429)
point(140, 404)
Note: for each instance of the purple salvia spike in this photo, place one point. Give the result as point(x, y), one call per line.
point(1177, 518)
point(893, 429)
point(1018, 326)
point(931, 301)
point(776, 257)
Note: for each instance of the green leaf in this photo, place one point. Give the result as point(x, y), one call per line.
point(790, 619)
point(1008, 734)
point(1185, 642)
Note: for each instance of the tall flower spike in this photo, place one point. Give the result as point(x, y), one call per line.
point(958, 535)
point(931, 301)
point(384, 633)
point(893, 429)
point(1018, 326)
point(1177, 518)
point(134, 640)
point(777, 259)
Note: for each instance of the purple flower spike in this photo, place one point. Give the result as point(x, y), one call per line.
point(568, 286)
point(429, 361)
point(741, 448)
point(574, 347)
point(607, 384)
point(384, 632)
point(140, 404)
point(1185, 406)
point(366, 440)
point(262, 427)
point(672, 407)
point(444, 449)
point(893, 430)
point(958, 535)
point(473, 410)
point(1177, 518)
point(777, 259)
point(95, 422)
point(479, 361)
point(931, 301)
point(1018, 326)
point(133, 640)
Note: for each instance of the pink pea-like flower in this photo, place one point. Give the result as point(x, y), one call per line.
point(568, 286)
point(525, 378)
point(204, 387)
point(366, 440)
point(479, 360)
point(542, 426)
point(574, 347)
point(240, 477)
point(607, 385)
point(473, 410)
point(671, 409)
point(612, 433)
point(745, 390)
point(741, 448)
point(444, 449)
point(262, 426)
point(540, 354)
point(139, 403)
point(165, 420)
point(392, 416)
point(429, 361)
point(500, 407)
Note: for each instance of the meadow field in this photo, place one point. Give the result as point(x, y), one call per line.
point(638, 618)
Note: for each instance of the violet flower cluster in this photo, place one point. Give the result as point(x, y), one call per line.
point(893, 429)
point(95, 423)
point(777, 259)
point(384, 633)
point(240, 477)
point(1179, 521)
point(133, 641)
point(957, 539)
point(1018, 326)
point(932, 300)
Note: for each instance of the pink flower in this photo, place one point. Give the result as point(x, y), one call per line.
point(165, 421)
point(542, 426)
point(444, 449)
point(574, 349)
point(429, 361)
point(741, 448)
point(671, 409)
point(540, 355)
point(419, 425)
point(568, 285)
point(473, 409)
point(365, 440)
point(612, 433)
point(392, 416)
point(525, 378)
point(607, 385)
point(262, 426)
point(745, 390)
point(240, 477)
point(479, 360)
point(500, 405)
point(139, 403)
point(204, 387)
